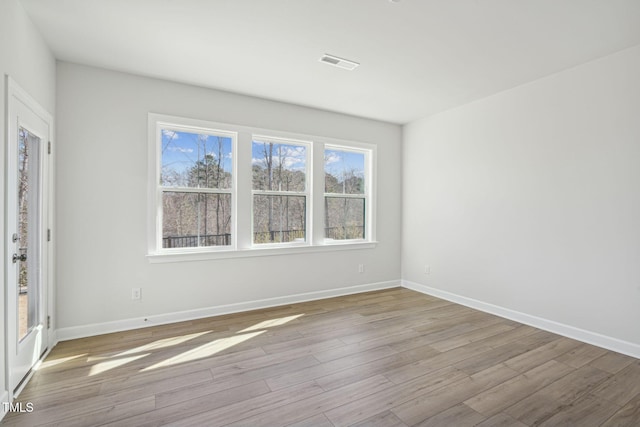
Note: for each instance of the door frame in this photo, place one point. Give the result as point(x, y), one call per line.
point(14, 93)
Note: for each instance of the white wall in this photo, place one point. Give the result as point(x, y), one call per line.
point(25, 57)
point(102, 202)
point(530, 199)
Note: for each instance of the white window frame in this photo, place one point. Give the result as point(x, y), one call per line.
point(159, 123)
point(366, 195)
point(306, 193)
point(242, 192)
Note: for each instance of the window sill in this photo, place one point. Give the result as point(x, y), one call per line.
point(156, 258)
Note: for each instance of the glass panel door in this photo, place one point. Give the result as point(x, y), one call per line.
point(28, 254)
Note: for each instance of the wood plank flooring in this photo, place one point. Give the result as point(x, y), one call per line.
point(386, 358)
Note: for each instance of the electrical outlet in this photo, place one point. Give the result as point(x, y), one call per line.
point(136, 293)
point(427, 269)
point(360, 268)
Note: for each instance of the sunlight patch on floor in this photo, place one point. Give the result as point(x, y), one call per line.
point(106, 363)
point(53, 362)
point(111, 364)
point(272, 322)
point(205, 350)
point(163, 343)
point(98, 358)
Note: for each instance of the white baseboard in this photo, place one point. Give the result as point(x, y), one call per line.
point(74, 332)
point(4, 399)
point(614, 344)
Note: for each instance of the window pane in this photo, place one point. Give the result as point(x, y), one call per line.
point(278, 219)
point(195, 219)
point(344, 218)
point(343, 172)
point(195, 160)
point(278, 167)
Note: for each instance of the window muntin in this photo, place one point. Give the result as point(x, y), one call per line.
point(345, 201)
point(195, 184)
point(280, 191)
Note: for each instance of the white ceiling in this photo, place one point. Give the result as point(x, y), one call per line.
point(417, 57)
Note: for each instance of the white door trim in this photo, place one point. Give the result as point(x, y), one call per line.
point(14, 93)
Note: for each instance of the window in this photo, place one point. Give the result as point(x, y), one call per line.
point(220, 191)
point(345, 198)
point(279, 171)
point(195, 186)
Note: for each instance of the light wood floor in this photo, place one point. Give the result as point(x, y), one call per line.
point(387, 358)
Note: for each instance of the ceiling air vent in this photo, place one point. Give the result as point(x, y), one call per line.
point(338, 62)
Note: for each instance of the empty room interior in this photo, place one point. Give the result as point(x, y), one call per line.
point(320, 212)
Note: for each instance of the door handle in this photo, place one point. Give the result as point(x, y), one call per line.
point(16, 258)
